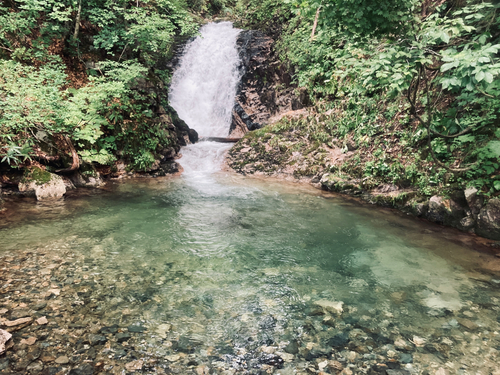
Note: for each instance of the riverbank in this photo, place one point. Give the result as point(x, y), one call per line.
point(292, 146)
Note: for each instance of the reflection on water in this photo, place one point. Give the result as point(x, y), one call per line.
point(234, 265)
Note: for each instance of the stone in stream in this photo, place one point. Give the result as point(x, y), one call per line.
point(470, 325)
point(40, 306)
point(109, 330)
point(4, 337)
point(334, 307)
point(19, 313)
point(271, 360)
point(85, 369)
point(405, 358)
point(122, 336)
point(136, 328)
point(338, 341)
point(97, 340)
point(292, 347)
point(62, 360)
point(398, 372)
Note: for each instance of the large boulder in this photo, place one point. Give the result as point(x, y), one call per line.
point(43, 184)
point(474, 201)
point(445, 211)
point(488, 220)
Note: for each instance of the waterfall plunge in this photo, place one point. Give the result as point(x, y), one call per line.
point(204, 85)
point(203, 91)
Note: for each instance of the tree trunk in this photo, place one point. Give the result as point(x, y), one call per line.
point(77, 23)
point(315, 22)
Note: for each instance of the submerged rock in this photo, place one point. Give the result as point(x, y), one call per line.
point(4, 337)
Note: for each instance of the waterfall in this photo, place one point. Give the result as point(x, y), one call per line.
point(204, 85)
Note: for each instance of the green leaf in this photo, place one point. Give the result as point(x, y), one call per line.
point(445, 37)
point(480, 76)
point(494, 147)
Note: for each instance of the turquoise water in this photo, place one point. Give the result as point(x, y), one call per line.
point(225, 267)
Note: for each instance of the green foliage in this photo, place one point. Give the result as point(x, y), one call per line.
point(364, 55)
point(109, 113)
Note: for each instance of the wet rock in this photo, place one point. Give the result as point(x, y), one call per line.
point(272, 360)
point(4, 363)
point(467, 223)
point(35, 367)
point(316, 353)
point(85, 369)
point(398, 372)
point(445, 211)
point(97, 340)
point(89, 178)
point(4, 337)
point(292, 347)
point(17, 324)
point(62, 360)
point(122, 336)
point(42, 321)
point(136, 328)
point(488, 220)
point(257, 97)
point(134, 365)
point(335, 366)
point(40, 306)
point(334, 307)
point(29, 341)
point(405, 358)
point(18, 313)
point(329, 321)
point(338, 341)
point(418, 341)
point(315, 311)
point(109, 330)
point(470, 325)
point(119, 353)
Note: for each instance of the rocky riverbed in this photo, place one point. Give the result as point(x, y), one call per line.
point(74, 314)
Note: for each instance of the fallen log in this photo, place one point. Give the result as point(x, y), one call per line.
point(218, 139)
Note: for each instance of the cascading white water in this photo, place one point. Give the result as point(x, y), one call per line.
point(204, 85)
point(203, 91)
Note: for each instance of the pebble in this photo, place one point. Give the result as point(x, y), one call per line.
point(136, 328)
point(28, 341)
point(16, 322)
point(42, 321)
point(173, 358)
point(62, 360)
point(134, 365)
point(470, 325)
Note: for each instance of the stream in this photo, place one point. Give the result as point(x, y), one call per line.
point(216, 273)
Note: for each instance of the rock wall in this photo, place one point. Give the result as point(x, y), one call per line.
point(266, 88)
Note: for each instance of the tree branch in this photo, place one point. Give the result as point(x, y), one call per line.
point(76, 161)
point(315, 22)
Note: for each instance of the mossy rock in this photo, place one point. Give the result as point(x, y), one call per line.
point(36, 175)
point(42, 184)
